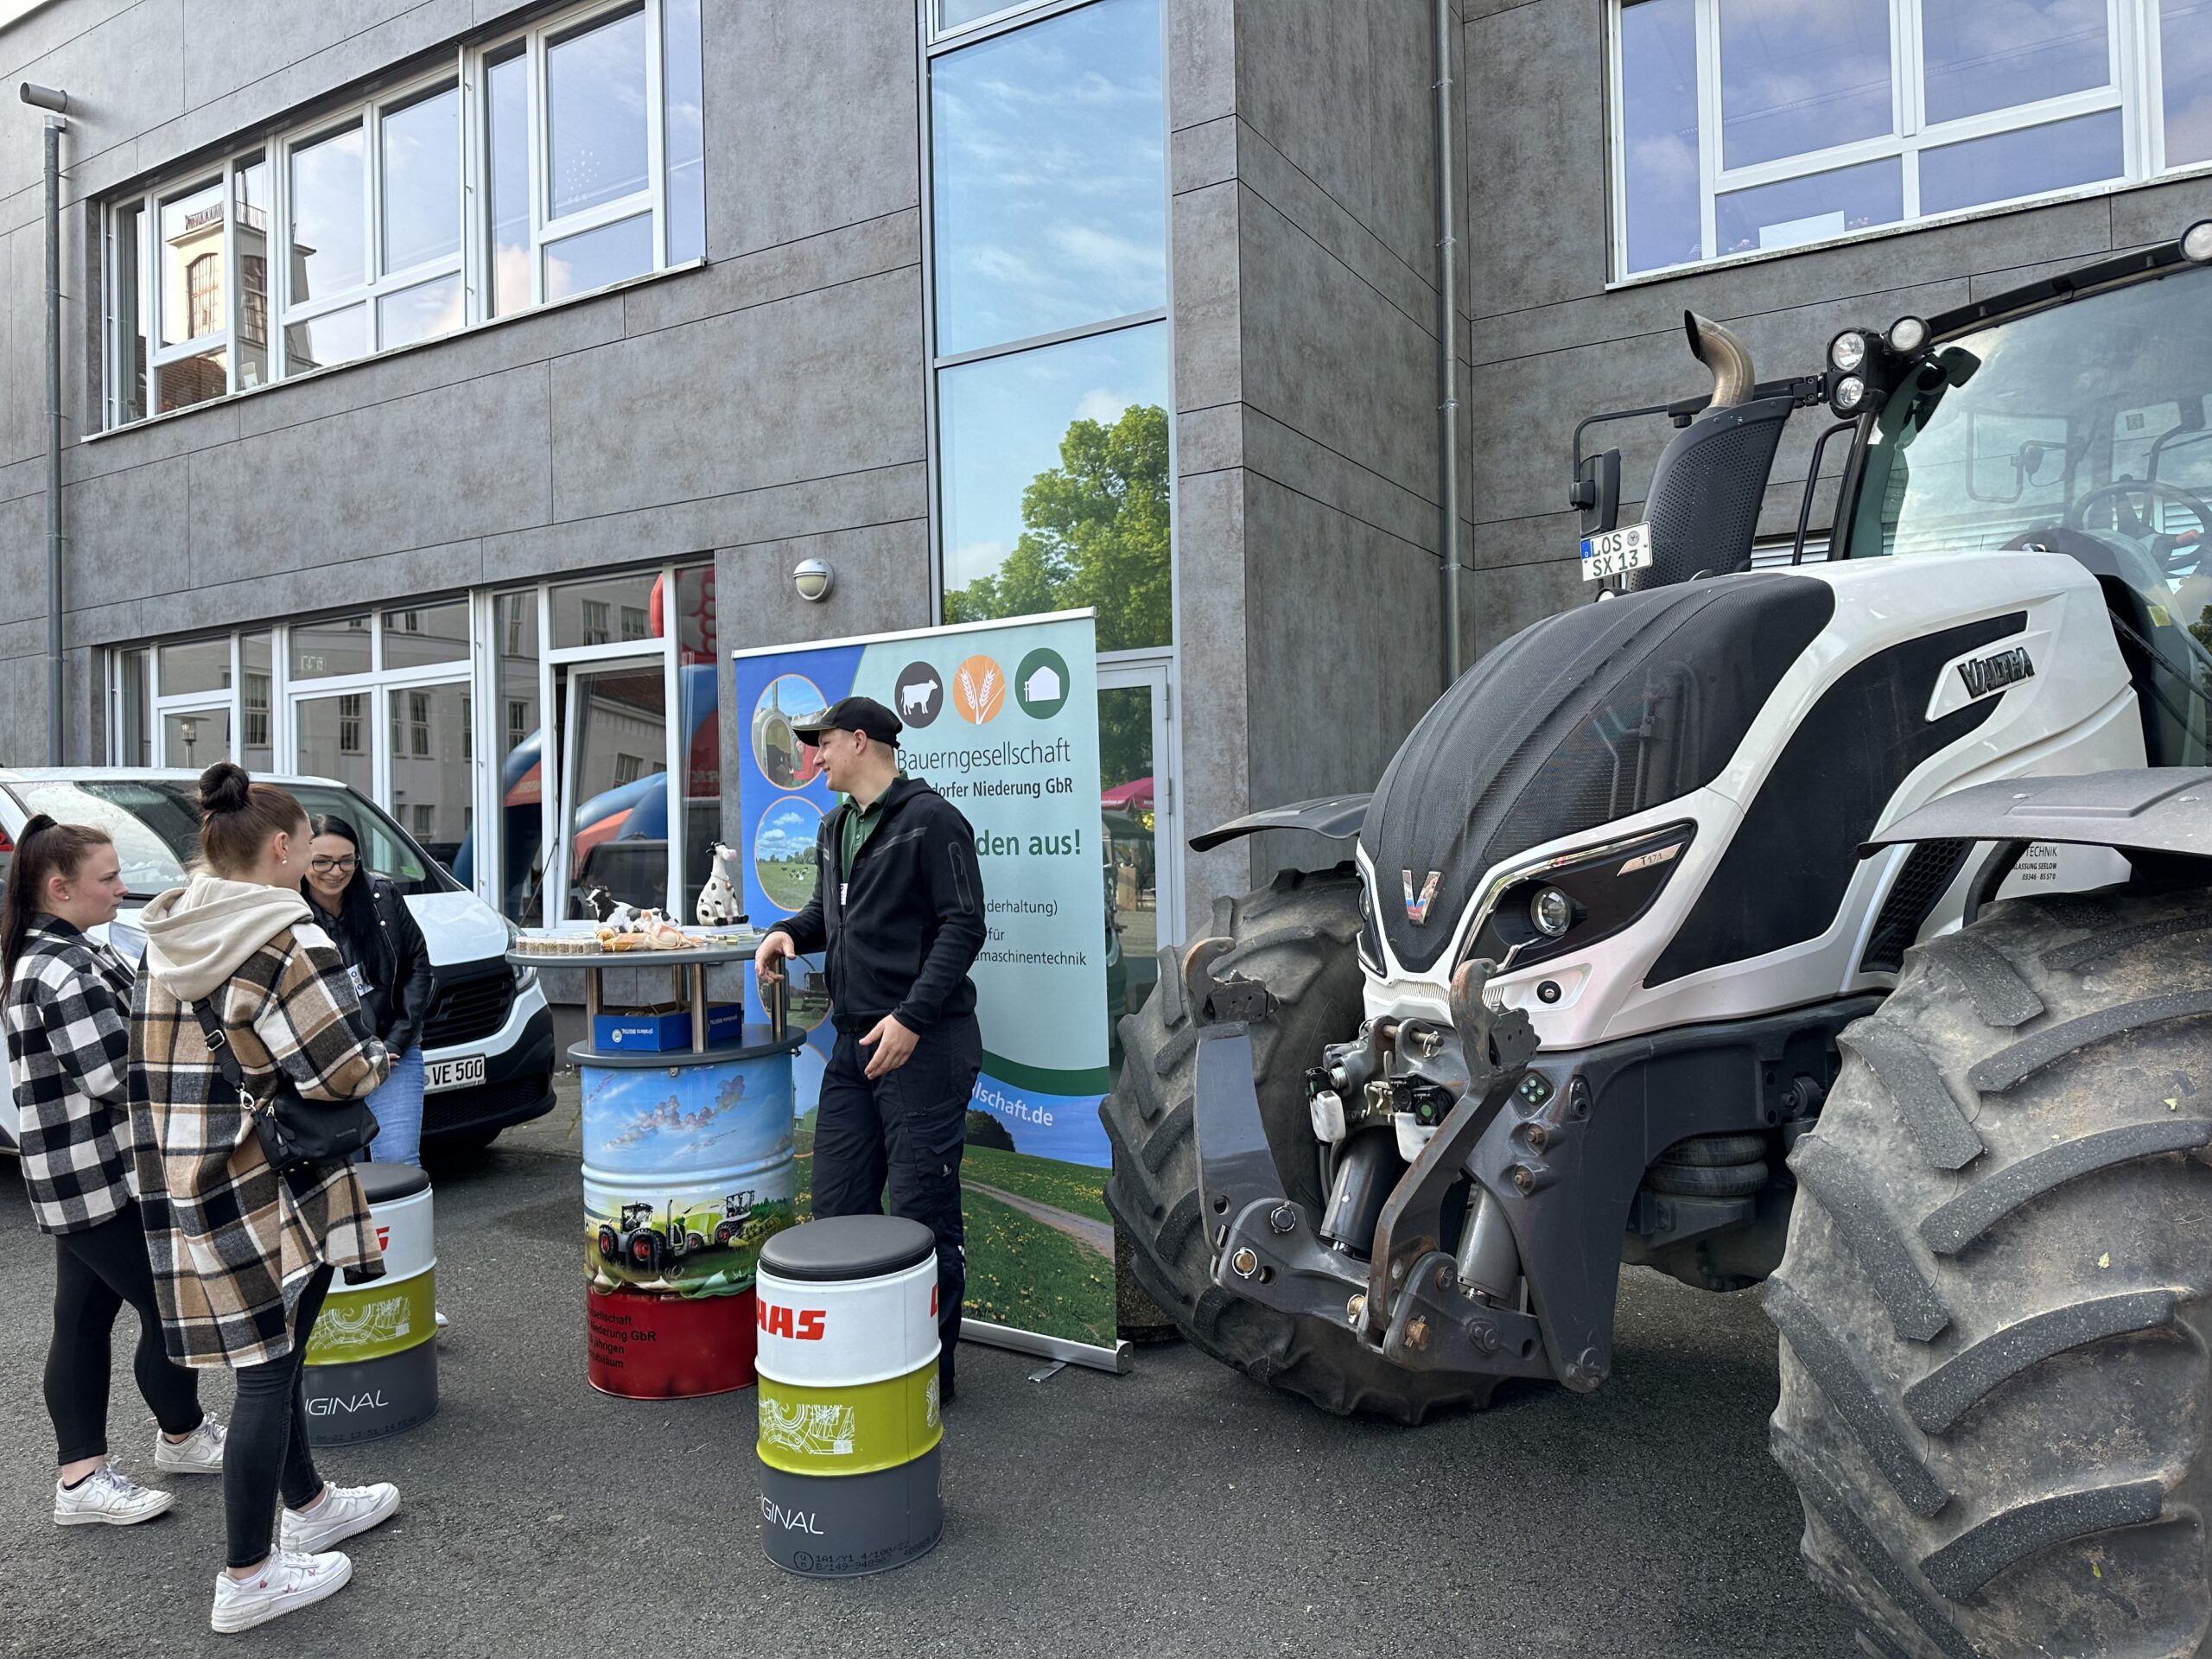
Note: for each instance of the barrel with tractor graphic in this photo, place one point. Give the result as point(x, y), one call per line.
point(851, 1430)
point(688, 1171)
point(372, 1361)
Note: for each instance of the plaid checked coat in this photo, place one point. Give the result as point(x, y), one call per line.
point(233, 1243)
point(68, 1020)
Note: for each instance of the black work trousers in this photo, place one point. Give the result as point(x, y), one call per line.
point(902, 1136)
point(96, 1270)
point(268, 1451)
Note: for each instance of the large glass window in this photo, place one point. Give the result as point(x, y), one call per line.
point(1049, 210)
point(588, 170)
point(1752, 125)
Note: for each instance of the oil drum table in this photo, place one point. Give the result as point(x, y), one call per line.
point(851, 1430)
point(687, 1173)
point(372, 1362)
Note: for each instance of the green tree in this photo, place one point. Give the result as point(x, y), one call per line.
point(1095, 532)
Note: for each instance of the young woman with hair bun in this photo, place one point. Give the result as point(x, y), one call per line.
point(243, 1255)
point(67, 1018)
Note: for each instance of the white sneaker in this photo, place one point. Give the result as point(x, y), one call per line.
point(107, 1496)
point(286, 1582)
point(200, 1453)
point(343, 1512)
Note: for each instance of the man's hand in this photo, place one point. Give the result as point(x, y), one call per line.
point(772, 950)
point(894, 1044)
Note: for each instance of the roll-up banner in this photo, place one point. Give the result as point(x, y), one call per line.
point(1001, 719)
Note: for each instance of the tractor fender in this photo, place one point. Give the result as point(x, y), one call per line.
point(2143, 808)
point(1336, 817)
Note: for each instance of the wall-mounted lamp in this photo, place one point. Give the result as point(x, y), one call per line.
point(814, 579)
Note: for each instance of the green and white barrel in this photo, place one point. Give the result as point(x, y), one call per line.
point(849, 1426)
point(372, 1366)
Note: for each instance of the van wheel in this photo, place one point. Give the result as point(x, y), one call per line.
point(1995, 1396)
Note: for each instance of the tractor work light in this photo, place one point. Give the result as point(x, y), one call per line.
point(1847, 351)
point(2196, 242)
point(1552, 911)
point(1907, 335)
point(1850, 393)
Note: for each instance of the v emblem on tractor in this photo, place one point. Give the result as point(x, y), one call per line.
point(1417, 909)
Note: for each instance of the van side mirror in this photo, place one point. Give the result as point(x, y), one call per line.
point(1598, 492)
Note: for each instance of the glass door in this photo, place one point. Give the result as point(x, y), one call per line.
point(1137, 797)
point(614, 765)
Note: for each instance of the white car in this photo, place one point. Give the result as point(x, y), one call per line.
point(488, 1045)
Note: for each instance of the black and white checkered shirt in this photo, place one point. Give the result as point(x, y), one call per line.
point(67, 1016)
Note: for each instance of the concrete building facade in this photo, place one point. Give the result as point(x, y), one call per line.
point(594, 321)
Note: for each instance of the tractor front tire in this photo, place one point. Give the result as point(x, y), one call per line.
point(1300, 938)
point(1995, 1396)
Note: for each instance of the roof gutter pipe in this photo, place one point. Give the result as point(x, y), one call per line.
point(1447, 350)
point(56, 105)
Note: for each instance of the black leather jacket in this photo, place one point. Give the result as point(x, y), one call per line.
point(381, 934)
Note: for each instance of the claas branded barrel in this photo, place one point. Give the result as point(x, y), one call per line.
point(371, 1364)
point(849, 1426)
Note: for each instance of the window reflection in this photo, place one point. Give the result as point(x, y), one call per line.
point(196, 666)
point(327, 252)
point(338, 646)
point(617, 776)
point(521, 736)
point(257, 739)
point(1050, 200)
point(196, 741)
point(1978, 57)
point(431, 763)
point(192, 264)
point(130, 310)
point(422, 180)
point(596, 98)
point(1055, 469)
point(684, 141)
point(426, 633)
point(2020, 163)
point(613, 253)
point(422, 312)
point(1659, 104)
point(507, 141)
point(1806, 210)
point(2186, 69)
point(249, 230)
point(334, 739)
point(334, 337)
point(1800, 75)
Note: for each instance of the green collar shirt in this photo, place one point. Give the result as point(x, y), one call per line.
point(860, 823)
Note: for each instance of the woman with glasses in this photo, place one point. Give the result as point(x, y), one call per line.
point(390, 966)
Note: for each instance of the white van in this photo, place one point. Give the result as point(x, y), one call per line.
point(488, 1046)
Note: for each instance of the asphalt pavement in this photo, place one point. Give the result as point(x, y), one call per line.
point(1179, 1510)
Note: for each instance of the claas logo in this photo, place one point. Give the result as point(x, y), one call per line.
point(384, 1238)
point(780, 1322)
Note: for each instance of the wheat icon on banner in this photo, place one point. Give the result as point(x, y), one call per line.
point(979, 690)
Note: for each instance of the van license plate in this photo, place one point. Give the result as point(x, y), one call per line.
point(462, 1072)
point(1607, 555)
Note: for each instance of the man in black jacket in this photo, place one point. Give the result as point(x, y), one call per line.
point(898, 908)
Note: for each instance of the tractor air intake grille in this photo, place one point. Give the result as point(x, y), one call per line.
point(1929, 868)
point(469, 1010)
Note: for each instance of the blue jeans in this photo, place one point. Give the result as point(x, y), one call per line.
point(397, 1104)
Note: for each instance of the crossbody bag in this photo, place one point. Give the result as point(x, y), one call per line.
point(296, 1134)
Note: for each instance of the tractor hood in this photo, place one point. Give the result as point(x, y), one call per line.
point(1580, 720)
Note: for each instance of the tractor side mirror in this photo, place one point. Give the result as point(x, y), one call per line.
point(1598, 492)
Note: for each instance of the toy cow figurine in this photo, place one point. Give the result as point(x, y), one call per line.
point(718, 903)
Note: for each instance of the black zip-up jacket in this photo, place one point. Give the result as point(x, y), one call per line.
point(901, 938)
point(375, 930)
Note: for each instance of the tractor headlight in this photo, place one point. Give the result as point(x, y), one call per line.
point(1552, 911)
point(1370, 934)
point(1849, 394)
point(1579, 898)
point(1907, 335)
point(2196, 242)
point(1847, 351)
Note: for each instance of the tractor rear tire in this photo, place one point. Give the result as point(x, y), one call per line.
point(1995, 1400)
point(1300, 938)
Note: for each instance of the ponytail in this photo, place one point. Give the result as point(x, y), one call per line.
point(43, 851)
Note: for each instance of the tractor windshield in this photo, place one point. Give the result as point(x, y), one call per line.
point(2084, 429)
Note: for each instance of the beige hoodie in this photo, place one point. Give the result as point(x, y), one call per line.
point(198, 934)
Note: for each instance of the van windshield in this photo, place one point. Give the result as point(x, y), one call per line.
point(154, 824)
point(2084, 429)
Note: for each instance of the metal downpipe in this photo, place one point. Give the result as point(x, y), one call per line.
point(47, 100)
point(1447, 351)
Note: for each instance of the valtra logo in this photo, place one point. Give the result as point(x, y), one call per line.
point(806, 1326)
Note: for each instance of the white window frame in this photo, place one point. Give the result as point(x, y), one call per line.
point(464, 67)
point(2134, 86)
point(477, 675)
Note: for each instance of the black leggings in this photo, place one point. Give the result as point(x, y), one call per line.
point(268, 1449)
point(97, 1270)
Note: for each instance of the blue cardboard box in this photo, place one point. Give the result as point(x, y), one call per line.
point(666, 1029)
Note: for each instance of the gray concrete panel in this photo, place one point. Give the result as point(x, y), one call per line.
point(812, 386)
point(1204, 154)
point(1304, 83)
point(100, 624)
point(811, 120)
point(882, 585)
point(1269, 175)
point(1210, 439)
point(148, 441)
point(829, 260)
point(1199, 40)
point(22, 557)
point(1207, 277)
point(1402, 135)
point(2161, 213)
point(33, 36)
point(415, 573)
point(444, 466)
point(1538, 218)
point(1507, 599)
point(232, 43)
point(1287, 457)
point(1328, 356)
point(1216, 661)
point(128, 534)
point(123, 75)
